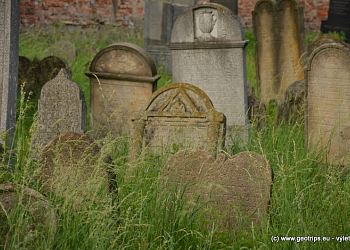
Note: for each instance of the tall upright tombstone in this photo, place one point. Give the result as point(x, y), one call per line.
point(231, 4)
point(122, 79)
point(279, 34)
point(61, 109)
point(160, 16)
point(338, 18)
point(208, 51)
point(327, 111)
point(9, 48)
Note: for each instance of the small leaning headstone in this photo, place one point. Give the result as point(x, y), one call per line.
point(122, 79)
point(328, 103)
point(61, 109)
point(208, 51)
point(279, 34)
point(179, 116)
point(234, 189)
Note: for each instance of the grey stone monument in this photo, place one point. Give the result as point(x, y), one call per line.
point(61, 109)
point(9, 47)
point(327, 113)
point(208, 51)
point(160, 16)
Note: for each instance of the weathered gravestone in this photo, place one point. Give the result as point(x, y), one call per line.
point(63, 49)
point(160, 16)
point(42, 216)
point(279, 33)
point(208, 51)
point(9, 35)
point(237, 188)
point(72, 166)
point(338, 18)
point(61, 109)
point(122, 80)
point(34, 74)
point(230, 4)
point(292, 107)
point(320, 40)
point(179, 116)
point(328, 102)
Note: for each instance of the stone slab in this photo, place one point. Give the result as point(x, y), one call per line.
point(338, 18)
point(236, 188)
point(328, 103)
point(72, 167)
point(122, 79)
point(61, 109)
point(42, 213)
point(279, 34)
point(160, 16)
point(212, 58)
point(9, 48)
point(179, 116)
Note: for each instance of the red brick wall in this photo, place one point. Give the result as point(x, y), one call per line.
point(130, 13)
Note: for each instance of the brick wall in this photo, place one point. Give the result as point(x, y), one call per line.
point(130, 13)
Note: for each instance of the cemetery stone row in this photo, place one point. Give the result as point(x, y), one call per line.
point(34, 74)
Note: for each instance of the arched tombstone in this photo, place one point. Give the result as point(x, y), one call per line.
point(208, 51)
point(179, 116)
point(320, 40)
point(328, 102)
point(279, 34)
point(233, 190)
point(61, 109)
point(122, 79)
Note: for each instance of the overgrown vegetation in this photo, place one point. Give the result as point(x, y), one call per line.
point(309, 198)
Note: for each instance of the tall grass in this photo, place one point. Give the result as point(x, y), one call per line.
point(309, 198)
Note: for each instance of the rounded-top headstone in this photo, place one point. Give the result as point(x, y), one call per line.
point(124, 58)
point(328, 102)
point(320, 40)
point(122, 79)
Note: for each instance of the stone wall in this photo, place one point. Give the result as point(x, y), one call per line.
point(130, 13)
